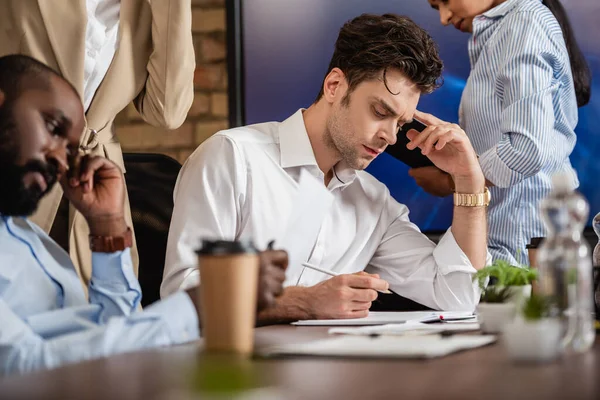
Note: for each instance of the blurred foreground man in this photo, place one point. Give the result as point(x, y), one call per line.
point(45, 318)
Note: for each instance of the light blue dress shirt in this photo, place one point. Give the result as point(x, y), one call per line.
point(46, 320)
point(519, 110)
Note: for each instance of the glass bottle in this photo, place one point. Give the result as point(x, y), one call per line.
point(596, 265)
point(565, 264)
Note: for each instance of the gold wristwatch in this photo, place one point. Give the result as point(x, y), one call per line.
point(472, 200)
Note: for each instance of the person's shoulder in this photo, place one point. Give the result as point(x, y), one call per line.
point(264, 133)
point(234, 142)
point(11, 259)
point(531, 21)
point(377, 193)
point(371, 186)
point(23, 222)
point(258, 134)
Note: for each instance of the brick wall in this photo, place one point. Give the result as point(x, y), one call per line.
point(209, 112)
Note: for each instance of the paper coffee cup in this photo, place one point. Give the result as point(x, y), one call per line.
point(228, 289)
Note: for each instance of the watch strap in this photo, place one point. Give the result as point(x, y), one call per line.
point(473, 199)
point(111, 244)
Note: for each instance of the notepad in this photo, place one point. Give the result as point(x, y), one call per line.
point(383, 318)
point(407, 328)
point(382, 346)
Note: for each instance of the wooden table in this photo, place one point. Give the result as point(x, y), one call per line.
point(484, 373)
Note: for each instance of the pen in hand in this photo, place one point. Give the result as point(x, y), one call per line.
point(331, 273)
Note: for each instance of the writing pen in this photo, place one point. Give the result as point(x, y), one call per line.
point(331, 273)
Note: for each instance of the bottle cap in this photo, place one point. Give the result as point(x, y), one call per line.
point(562, 183)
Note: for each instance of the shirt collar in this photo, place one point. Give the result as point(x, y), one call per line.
point(294, 144)
point(503, 9)
point(344, 174)
point(296, 150)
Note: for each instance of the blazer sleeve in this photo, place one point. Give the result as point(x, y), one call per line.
point(169, 90)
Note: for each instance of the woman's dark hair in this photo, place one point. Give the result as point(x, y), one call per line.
point(582, 77)
point(369, 45)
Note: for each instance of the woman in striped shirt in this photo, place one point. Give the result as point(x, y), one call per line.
point(519, 108)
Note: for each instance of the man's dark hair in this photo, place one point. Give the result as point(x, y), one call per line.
point(19, 72)
point(369, 45)
point(582, 76)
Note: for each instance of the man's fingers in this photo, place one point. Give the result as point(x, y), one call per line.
point(278, 258)
point(432, 139)
point(359, 314)
point(268, 298)
point(90, 166)
point(275, 286)
point(275, 273)
point(428, 119)
point(418, 140)
point(367, 274)
point(365, 282)
point(361, 305)
point(74, 160)
point(364, 295)
point(444, 140)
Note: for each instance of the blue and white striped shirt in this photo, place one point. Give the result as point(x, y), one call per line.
point(519, 110)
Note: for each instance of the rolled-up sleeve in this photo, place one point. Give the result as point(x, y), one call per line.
point(439, 277)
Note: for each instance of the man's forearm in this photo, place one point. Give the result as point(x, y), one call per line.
point(469, 224)
point(291, 306)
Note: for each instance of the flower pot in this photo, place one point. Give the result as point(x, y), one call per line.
point(493, 317)
point(533, 341)
point(518, 294)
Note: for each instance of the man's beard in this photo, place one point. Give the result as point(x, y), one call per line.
point(337, 137)
point(16, 199)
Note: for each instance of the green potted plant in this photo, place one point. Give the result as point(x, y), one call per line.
point(517, 279)
point(495, 310)
point(503, 287)
point(535, 334)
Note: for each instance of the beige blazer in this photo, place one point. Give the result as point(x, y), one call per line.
point(153, 66)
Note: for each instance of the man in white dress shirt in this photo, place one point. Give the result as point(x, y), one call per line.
point(242, 183)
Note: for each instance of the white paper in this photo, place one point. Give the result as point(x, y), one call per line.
point(383, 346)
point(309, 209)
point(407, 328)
point(383, 318)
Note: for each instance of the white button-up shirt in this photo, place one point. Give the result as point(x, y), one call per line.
point(241, 184)
point(100, 44)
